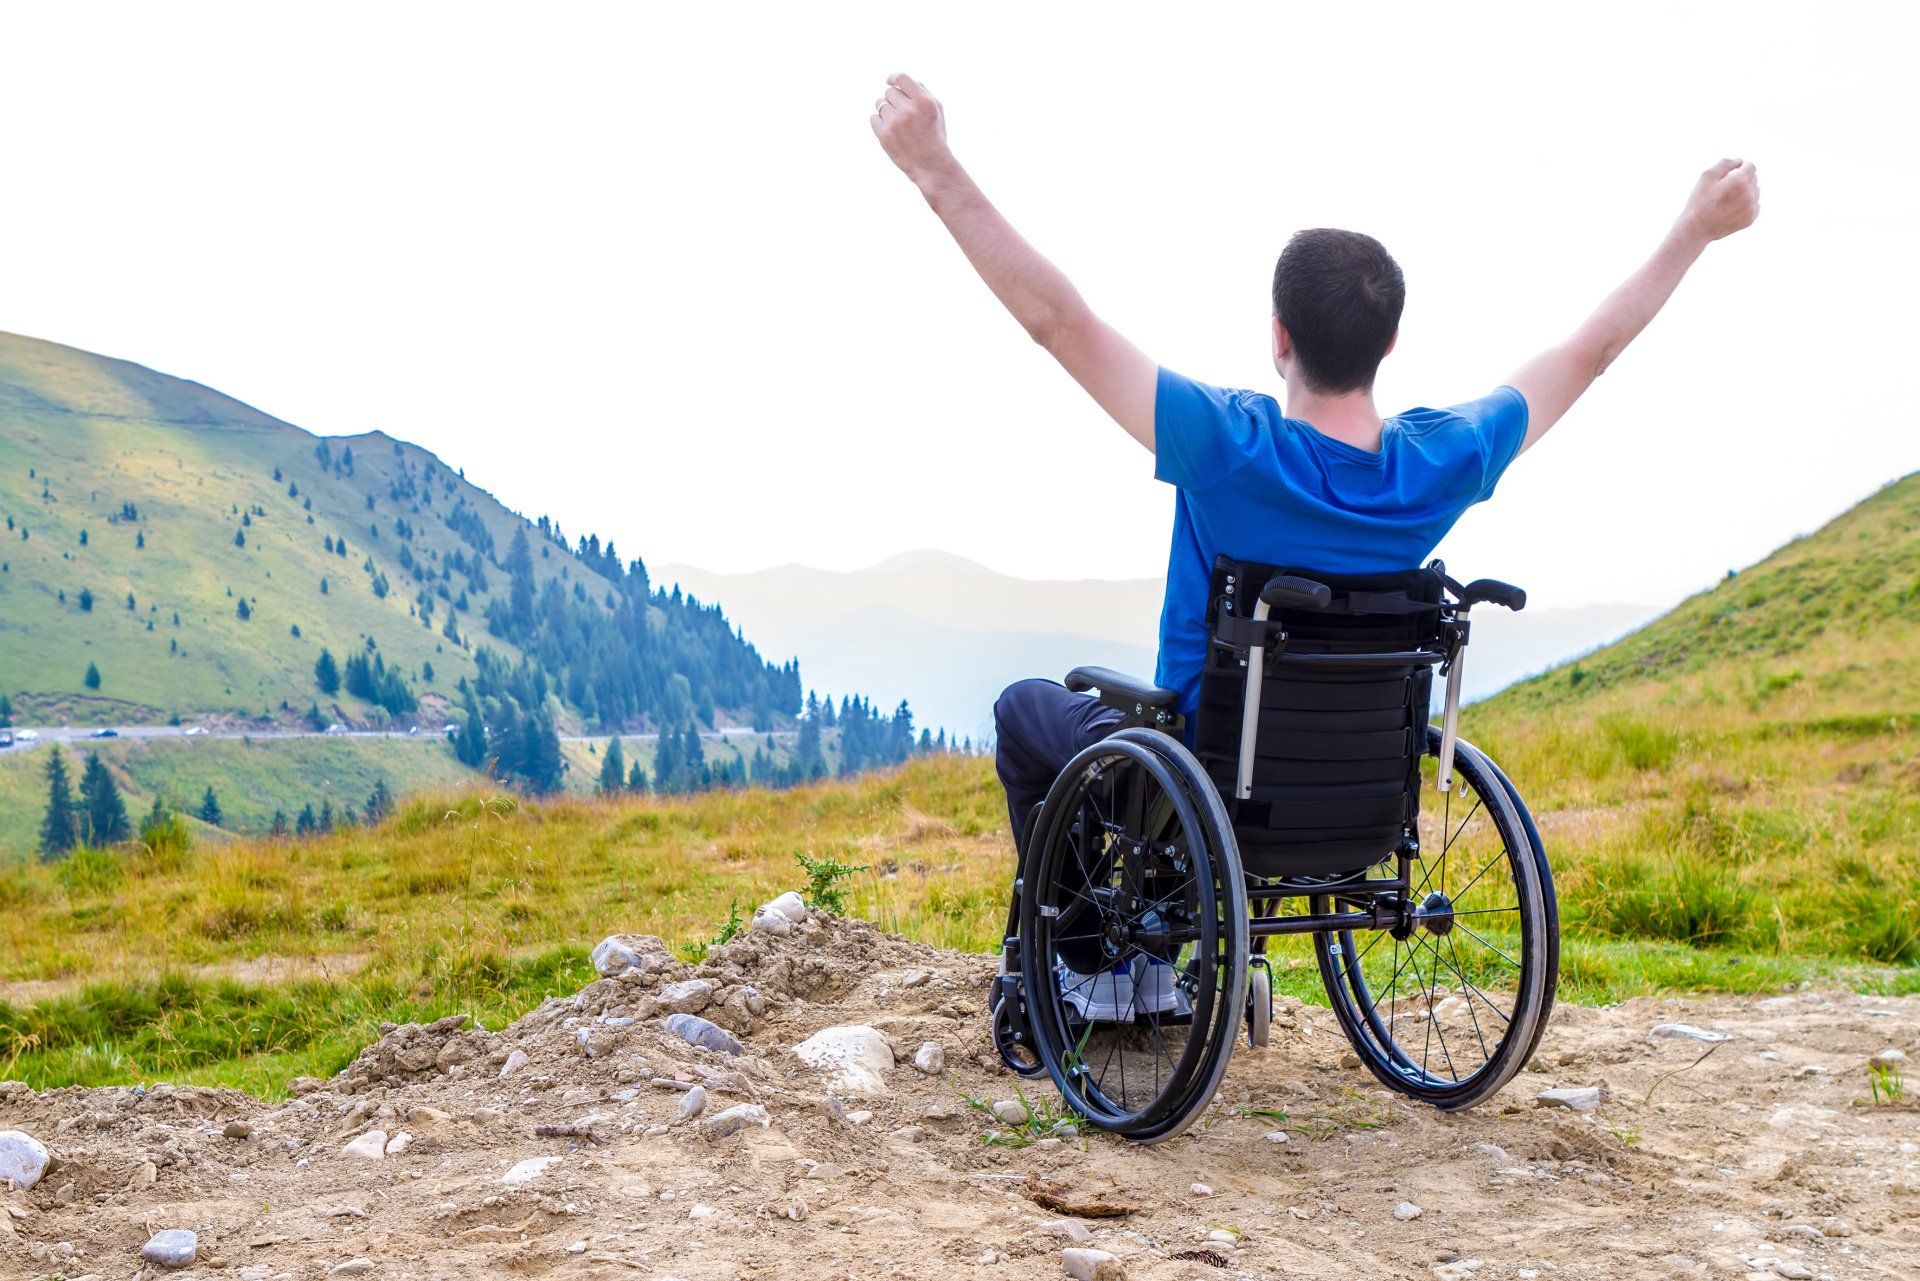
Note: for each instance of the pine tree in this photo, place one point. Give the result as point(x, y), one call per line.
point(279, 825)
point(306, 823)
point(327, 672)
point(637, 778)
point(209, 811)
point(103, 814)
point(58, 832)
point(92, 677)
point(6, 712)
point(613, 770)
point(239, 538)
point(380, 802)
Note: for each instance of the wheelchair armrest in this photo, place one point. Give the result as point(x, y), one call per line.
point(1493, 592)
point(1118, 690)
point(1286, 591)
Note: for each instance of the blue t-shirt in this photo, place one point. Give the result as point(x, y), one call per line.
point(1259, 486)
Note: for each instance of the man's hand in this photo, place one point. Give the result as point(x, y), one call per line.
point(912, 128)
point(1725, 200)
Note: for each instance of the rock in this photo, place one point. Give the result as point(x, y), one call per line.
point(734, 1119)
point(1201, 1189)
point(789, 905)
point(173, 1248)
point(516, 1059)
point(912, 1134)
point(855, 1056)
point(372, 1145)
point(1009, 1111)
point(1685, 1032)
point(399, 1143)
point(1224, 1236)
point(1407, 1212)
point(1585, 1098)
point(23, 1158)
point(860, 1117)
point(929, 1058)
point(1889, 1061)
point(1091, 1265)
point(528, 1170)
point(689, 996)
point(701, 1212)
point(1277, 1136)
point(352, 1268)
point(619, 954)
point(703, 1034)
point(777, 924)
point(1072, 1229)
point(1493, 1150)
point(237, 1130)
point(144, 1175)
point(692, 1102)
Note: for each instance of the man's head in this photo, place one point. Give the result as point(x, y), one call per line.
point(1337, 298)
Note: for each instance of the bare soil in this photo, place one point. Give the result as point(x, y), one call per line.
point(1764, 1157)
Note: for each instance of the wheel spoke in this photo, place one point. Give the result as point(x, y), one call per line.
point(1490, 947)
point(1485, 1055)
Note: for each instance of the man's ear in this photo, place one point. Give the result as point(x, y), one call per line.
point(1282, 342)
point(1391, 344)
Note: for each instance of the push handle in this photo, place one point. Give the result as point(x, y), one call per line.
point(1286, 591)
point(1493, 592)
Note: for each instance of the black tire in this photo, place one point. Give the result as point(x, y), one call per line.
point(1133, 884)
point(1488, 933)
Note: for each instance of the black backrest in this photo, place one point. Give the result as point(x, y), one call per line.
point(1336, 775)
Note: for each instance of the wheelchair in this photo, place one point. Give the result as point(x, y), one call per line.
point(1153, 874)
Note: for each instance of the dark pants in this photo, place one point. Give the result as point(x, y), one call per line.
point(1039, 727)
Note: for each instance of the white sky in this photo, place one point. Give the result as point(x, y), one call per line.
point(644, 267)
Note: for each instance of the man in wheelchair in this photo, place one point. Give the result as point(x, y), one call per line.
point(1279, 751)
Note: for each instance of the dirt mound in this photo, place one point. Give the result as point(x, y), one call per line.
point(659, 1123)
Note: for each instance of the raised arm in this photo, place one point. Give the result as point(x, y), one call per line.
point(1726, 199)
point(912, 128)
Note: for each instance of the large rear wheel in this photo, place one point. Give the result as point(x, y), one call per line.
point(1133, 936)
point(1447, 1006)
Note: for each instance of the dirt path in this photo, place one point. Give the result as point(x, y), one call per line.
point(1761, 1158)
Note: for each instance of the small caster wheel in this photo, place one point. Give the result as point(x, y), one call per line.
point(1259, 1004)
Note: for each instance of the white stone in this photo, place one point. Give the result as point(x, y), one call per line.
point(1072, 1229)
point(735, 1119)
point(1081, 1264)
point(23, 1158)
point(930, 1058)
point(372, 1145)
point(1201, 1189)
point(702, 1212)
point(1888, 1060)
point(528, 1170)
point(173, 1248)
point(774, 923)
point(1277, 1136)
point(358, 1267)
point(516, 1059)
point(399, 1143)
point(1585, 1098)
point(855, 1056)
point(859, 1117)
point(692, 1102)
point(1010, 1111)
point(789, 905)
point(1224, 1236)
point(1407, 1212)
point(619, 953)
point(689, 996)
point(1685, 1032)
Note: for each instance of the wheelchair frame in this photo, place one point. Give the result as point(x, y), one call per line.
point(1340, 905)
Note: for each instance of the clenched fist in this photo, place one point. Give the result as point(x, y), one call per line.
point(911, 128)
point(1725, 200)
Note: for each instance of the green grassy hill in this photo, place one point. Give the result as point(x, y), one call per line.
point(142, 512)
point(1744, 772)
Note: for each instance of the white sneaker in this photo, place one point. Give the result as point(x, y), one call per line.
point(1105, 996)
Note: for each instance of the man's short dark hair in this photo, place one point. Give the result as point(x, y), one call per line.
point(1340, 294)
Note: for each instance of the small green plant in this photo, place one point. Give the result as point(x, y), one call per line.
point(730, 927)
point(1045, 1120)
point(1627, 1135)
point(824, 876)
point(1885, 1081)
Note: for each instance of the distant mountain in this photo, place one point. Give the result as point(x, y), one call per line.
point(169, 551)
point(948, 633)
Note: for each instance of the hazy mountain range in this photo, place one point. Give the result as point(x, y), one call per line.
point(947, 633)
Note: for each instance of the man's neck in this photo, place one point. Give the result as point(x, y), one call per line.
point(1348, 417)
